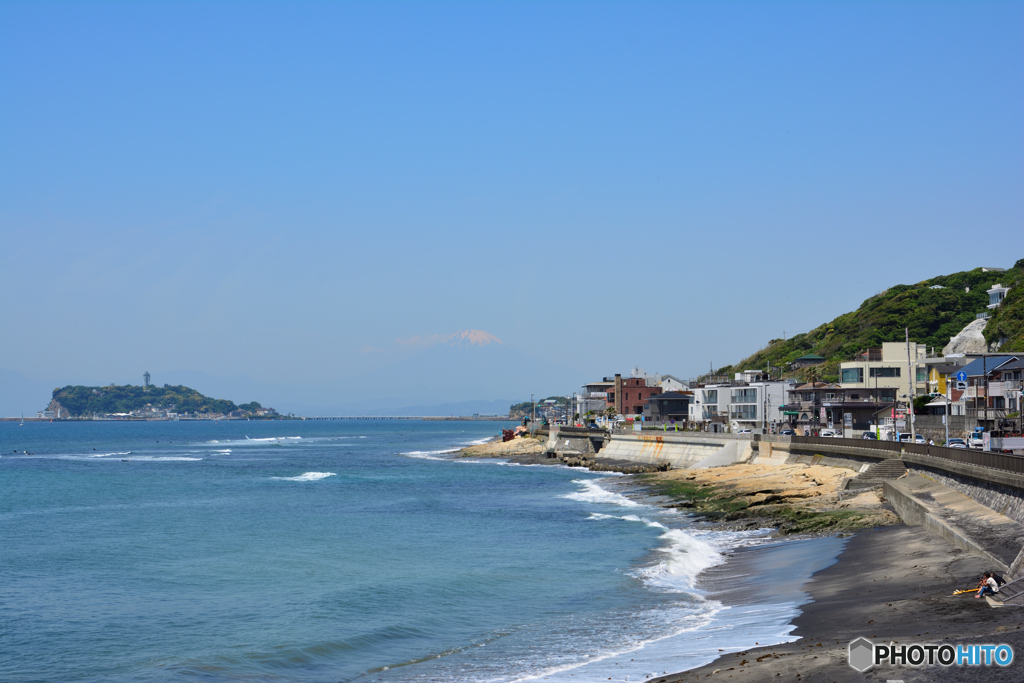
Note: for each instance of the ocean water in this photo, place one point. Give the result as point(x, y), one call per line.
point(358, 551)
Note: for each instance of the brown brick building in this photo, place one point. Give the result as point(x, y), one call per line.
point(629, 395)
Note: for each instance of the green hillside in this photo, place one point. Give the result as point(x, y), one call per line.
point(933, 316)
point(82, 401)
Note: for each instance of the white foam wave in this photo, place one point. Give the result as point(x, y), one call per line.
point(222, 451)
point(686, 557)
point(593, 493)
point(168, 459)
point(431, 455)
point(686, 553)
point(105, 455)
point(154, 458)
point(308, 476)
point(629, 518)
point(255, 442)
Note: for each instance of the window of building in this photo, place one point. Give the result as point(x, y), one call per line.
point(748, 412)
point(830, 397)
point(853, 375)
point(884, 372)
point(744, 396)
point(625, 396)
point(711, 396)
point(922, 374)
point(808, 396)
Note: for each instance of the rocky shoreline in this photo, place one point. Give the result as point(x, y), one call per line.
point(528, 450)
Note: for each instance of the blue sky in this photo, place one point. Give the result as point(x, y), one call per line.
point(285, 191)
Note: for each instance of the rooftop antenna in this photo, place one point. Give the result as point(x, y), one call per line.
point(145, 379)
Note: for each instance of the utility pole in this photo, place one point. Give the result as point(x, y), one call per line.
point(910, 392)
point(984, 374)
point(533, 421)
point(949, 398)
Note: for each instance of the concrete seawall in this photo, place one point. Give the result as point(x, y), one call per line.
point(680, 451)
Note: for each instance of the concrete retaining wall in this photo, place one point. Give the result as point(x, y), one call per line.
point(1005, 500)
point(960, 520)
point(679, 451)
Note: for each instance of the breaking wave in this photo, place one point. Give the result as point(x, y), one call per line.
point(308, 476)
point(594, 493)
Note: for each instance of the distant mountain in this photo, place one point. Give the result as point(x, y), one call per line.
point(934, 310)
point(464, 339)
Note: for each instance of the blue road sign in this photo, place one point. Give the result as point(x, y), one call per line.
point(961, 376)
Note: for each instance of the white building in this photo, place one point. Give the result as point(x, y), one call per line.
point(739, 405)
point(996, 295)
point(669, 383)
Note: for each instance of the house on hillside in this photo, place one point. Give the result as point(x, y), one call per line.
point(804, 361)
point(996, 295)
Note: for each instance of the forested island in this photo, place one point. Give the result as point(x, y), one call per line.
point(151, 402)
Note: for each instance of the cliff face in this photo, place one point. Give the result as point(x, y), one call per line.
point(57, 408)
point(971, 339)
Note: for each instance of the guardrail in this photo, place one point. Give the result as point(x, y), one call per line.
point(997, 461)
point(580, 431)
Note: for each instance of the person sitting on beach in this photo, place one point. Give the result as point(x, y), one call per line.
point(987, 585)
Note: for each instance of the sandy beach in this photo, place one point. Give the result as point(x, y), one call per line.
point(889, 584)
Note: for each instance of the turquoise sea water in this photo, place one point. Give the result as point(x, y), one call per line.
point(354, 551)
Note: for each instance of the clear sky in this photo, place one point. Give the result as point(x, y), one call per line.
point(297, 192)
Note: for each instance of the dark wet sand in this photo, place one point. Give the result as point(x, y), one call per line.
point(890, 584)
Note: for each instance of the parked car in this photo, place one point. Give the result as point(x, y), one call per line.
point(919, 438)
point(870, 436)
point(975, 441)
point(903, 437)
point(831, 434)
point(787, 432)
point(956, 443)
point(744, 431)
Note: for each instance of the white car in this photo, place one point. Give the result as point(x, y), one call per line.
point(831, 434)
point(744, 431)
point(975, 441)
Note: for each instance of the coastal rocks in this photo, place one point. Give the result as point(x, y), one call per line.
point(608, 465)
point(520, 445)
point(797, 498)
